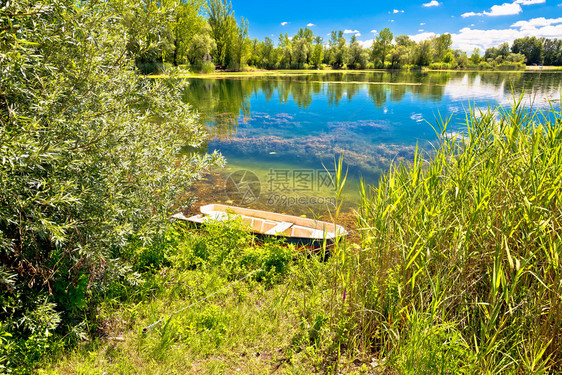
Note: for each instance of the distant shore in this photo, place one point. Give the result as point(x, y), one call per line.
point(297, 72)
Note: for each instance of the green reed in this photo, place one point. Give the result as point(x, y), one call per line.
point(459, 266)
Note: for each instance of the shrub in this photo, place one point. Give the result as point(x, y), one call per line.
point(228, 247)
point(147, 68)
point(207, 67)
point(90, 161)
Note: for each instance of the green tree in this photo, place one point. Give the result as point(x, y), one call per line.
point(357, 57)
point(531, 47)
point(318, 52)
point(223, 29)
point(190, 24)
point(201, 46)
point(398, 56)
point(462, 60)
point(149, 32)
point(404, 40)
point(269, 57)
point(382, 45)
point(90, 164)
point(302, 47)
point(423, 53)
point(338, 49)
point(552, 51)
point(240, 45)
point(475, 56)
point(516, 58)
point(442, 45)
point(286, 50)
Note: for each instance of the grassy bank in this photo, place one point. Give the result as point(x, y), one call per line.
point(274, 320)
point(458, 271)
point(294, 72)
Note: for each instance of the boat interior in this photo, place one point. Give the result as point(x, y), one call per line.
point(266, 226)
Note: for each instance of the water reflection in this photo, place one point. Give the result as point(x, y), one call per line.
point(373, 119)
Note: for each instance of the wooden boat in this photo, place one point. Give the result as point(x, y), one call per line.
point(296, 230)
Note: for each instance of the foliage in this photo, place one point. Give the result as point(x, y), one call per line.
point(381, 45)
point(226, 247)
point(179, 32)
point(208, 67)
point(531, 47)
point(357, 58)
point(464, 249)
point(338, 52)
point(266, 322)
point(90, 158)
point(223, 29)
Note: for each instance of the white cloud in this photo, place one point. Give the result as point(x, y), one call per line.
point(537, 22)
point(467, 39)
point(391, 21)
point(422, 23)
point(347, 31)
point(530, 2)
point(310, 25)
point(284, 23)
point(366, 43)
point(432, 3)
point(358, 34)
point(397, 11)
point(422, 36)
point(420, 31)
point(470, 14)
point(374, 31)
point(506, 9)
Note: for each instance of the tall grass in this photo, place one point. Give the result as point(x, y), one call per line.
point(459, 266)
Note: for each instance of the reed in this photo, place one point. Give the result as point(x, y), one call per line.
point(459, 266)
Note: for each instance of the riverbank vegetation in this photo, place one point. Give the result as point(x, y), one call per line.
point(457, 268)
point(201, 36)
point(90, 167)
point(460, 265)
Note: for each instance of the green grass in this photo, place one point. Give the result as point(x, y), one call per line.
point(459, 270)
point(274, 320)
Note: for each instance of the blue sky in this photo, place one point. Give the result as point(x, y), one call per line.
point(472, 23)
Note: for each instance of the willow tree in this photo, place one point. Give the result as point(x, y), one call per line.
point(89, 161)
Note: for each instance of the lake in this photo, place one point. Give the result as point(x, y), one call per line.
point(281, 134)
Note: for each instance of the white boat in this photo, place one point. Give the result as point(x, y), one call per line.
point(296, 230)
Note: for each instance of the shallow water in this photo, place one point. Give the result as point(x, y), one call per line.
point(280, 134)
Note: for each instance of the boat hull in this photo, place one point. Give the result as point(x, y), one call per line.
point(266, 226)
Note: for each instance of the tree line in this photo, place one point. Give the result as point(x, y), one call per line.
point(201, 35)
point(537, 51)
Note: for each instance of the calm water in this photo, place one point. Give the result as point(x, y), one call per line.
point(281, 133)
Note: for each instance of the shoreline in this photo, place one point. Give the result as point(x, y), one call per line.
point(299, 72)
